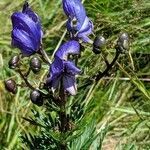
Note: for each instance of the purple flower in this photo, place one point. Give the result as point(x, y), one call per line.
point(64, 71)
point(26, 33)
point(83, 26)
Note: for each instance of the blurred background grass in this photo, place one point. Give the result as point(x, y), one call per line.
point(120, 103)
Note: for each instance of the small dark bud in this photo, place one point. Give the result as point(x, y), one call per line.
point(11, 86)
point(36, 97)
point(123, 43)
point(35, 64)
point(98, 44)
point(13, 62)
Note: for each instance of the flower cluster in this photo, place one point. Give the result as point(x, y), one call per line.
point(63, 71)
point(78, 24)
point(27, 36)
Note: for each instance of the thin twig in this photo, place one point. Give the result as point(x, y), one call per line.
point(25, 79)
point(44, 55)
point(109, 67)
point(28, 72)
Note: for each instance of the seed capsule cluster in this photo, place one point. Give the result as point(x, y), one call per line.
point(122, 43)
point(34, 66)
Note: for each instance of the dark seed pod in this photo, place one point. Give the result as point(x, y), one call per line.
point(11, 86)
point(35, 64)
point(98, 44)
point(36, 97)
point(123, 42)
point(13, 62)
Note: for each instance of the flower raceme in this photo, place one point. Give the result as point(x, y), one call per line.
point(64, 71)
point(26, 33)
point(75, 12)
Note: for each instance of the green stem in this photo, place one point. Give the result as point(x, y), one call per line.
point(44, 55)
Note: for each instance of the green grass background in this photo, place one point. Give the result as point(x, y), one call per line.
point(120, 104)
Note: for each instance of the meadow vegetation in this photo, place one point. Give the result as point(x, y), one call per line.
point(117, 106)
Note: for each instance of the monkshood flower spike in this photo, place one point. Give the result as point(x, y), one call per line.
point(62, 70)
point(78, 24)
point(26, 33)
point(54, 82)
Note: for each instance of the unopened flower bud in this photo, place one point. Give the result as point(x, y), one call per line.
point(35, 64)
point(36, 97)
point(13, 62)
point(123, 42)
point(98, 44)
point(11, 86)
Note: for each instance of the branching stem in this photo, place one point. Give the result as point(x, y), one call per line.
point(98, 76)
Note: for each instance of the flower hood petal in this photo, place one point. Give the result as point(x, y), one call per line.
point(70, 47)
point(22, 40)
point(24, 22)
point(75, 9)
point(28, 11)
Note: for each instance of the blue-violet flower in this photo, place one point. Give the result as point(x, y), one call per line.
point(83, 26)
point(26, 33)
point(62, 70)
